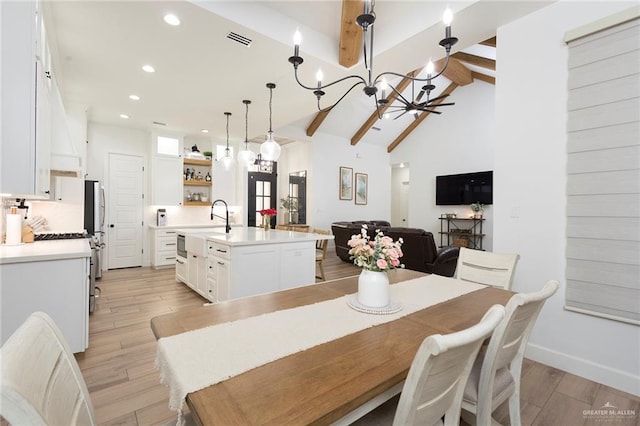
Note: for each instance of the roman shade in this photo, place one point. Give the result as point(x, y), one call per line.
point(603, 169)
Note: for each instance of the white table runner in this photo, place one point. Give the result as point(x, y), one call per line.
point(196, 359)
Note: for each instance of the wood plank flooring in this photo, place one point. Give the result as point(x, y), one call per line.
point(125, 387)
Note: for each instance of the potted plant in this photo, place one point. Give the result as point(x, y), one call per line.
point(478, 209)
point(291, 205)
point(208, 155)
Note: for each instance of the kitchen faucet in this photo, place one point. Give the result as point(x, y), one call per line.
point(227, 226)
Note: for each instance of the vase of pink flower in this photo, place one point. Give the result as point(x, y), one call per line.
point(376, 257)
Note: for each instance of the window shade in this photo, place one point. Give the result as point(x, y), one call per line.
point(603, 173)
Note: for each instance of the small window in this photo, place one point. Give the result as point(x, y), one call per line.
point(168, 146)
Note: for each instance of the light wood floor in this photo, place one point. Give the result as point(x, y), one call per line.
point(125, 388)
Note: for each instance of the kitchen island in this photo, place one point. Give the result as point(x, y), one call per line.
point(248, 261)
point(47, 276)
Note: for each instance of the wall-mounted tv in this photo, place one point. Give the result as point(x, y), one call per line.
point(464, 188)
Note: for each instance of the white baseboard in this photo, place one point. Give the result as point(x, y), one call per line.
point(598, 373)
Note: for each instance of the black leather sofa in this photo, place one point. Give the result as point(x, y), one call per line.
point(419, 247)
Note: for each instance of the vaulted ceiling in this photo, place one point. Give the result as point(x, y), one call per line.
point(100, 47)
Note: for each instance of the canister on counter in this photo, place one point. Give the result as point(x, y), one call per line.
point(162, 217)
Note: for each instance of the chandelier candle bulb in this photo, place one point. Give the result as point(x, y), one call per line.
point(319, 76)
point(297, 39)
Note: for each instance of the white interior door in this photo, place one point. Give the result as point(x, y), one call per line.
point(400, 196)
point(125, 210)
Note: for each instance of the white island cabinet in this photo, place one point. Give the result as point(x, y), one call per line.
point(250, 261)
point(47, 276)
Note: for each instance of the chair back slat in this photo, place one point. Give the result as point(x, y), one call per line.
point(494, 269)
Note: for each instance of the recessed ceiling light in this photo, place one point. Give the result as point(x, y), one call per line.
point(148, 68)
point(134, 97)
point(124, 116)
point(204, 131)
point(171, 19)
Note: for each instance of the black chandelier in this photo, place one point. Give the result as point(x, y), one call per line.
point(366, 21)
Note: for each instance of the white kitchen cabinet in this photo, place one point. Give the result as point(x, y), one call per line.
point(197, 272)
point(218, 272)
point(166, 171)
point(181, 270)
point(24, 108)
point(59, 287)
point(163, 247)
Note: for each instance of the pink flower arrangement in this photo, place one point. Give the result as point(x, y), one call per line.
point(382, 254)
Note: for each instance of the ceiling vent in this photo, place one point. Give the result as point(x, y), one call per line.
point(239, 39)
point(159, 123)
point(376, 128)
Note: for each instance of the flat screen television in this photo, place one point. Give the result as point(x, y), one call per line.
point(464, 188)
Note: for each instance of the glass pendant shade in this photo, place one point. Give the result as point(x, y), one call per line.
point(227, 160)
point(246, 157)
point(270, 149)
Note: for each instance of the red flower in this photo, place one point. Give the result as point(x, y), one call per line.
point(268, 212)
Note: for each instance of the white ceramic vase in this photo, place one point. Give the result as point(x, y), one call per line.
point(373, 289)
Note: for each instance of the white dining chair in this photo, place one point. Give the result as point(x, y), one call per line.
point(483, 267)
point(321, 252)
point(495, 376)
point(41, 383)
point(439, 372)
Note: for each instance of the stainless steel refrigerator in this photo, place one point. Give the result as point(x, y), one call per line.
point(94, 210)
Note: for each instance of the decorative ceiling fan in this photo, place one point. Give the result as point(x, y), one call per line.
point(415, 106)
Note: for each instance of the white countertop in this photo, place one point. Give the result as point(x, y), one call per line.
point(45, 250)
point(255, 236)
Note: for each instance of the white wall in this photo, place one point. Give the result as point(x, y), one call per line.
point(530, 152)
point(461, 140)
point(329, 153)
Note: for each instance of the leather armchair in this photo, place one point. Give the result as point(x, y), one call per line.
point(419, 247)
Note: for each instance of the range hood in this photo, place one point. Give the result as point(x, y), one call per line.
point(66, 165)
point(64, 158)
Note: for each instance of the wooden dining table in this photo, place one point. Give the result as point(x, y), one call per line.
point(328, 382)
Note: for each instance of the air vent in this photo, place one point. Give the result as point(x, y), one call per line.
point(239, 39)
point(159, 123)
point(376, 128)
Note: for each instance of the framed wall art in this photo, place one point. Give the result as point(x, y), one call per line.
point(346, 183)
point(362, 181)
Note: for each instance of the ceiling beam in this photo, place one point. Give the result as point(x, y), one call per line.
point(491, 42)
point(483, 77)
point(420, 119)
point(456, 71)
point(390, 99)
point(317, 121)
point(476, 60)
point(350, 33)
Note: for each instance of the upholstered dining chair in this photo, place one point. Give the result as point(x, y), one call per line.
point(483, 267)
point(321, 252)
point(41, 383)
point(495, 376)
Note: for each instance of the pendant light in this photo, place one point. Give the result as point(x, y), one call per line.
point(270, 150)
point(246, 157)
point(227, 160)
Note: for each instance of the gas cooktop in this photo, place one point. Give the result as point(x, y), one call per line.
point(59, 236)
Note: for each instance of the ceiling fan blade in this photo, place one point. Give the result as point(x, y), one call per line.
point(432, 111)
point(400, 115)
point(420, 95)
point(424, 105)
point(437, 97)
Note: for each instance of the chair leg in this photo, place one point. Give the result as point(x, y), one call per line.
point(319, 265)
point(514, 409)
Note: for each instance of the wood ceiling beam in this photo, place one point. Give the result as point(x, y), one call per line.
point(415, 123)
point(350, 33)
point(390, 99)
point(475, 60)
point(483, 77)
point(317, 121)
point(491, 42)
point(456, 71)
